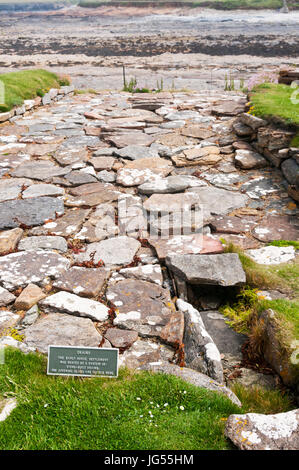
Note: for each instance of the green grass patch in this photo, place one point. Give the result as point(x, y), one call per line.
point(282, 277)
point(276, 101)
point(138, 410)
point(27, 84)
point(256, 399)
point(76, 413)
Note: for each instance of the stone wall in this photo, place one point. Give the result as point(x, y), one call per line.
point(274, 142)
point(53, 95)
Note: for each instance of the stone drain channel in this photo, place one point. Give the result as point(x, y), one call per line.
point(87, 185)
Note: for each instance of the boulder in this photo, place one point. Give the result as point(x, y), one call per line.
point(253, 431)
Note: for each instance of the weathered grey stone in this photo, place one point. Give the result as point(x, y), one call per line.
point(121, 338)
point(135, 152)
point(61, 330)
point(252, 121)
point(148, 272)
point(42, 170)
point(223, 269)
point(194, 377)
point(8, 320)
point(201, 353)
point(64, 302)
point(218, 201)
point(67, 225)
point(171, 184)
point(145, 353)
point(37, 190)
point(12, 188)
point(241, 129)
point(113, 252)
point(24, 267)
point(106, 176)
point(246, 159)
point(253, 431)
point(43, 242)
point(260, 186)
point(290, 169)
point(228, 108)
point(100, 225)
point(132, 138)
point(146, 308)
point(228, 341)
point(29, 212)
point(86, 282)
point(78, 177)
point(6, 297)
point(11, 342)
point(272, 254)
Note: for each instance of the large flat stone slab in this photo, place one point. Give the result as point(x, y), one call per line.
point(221, 270)
point(42, 170)
point(67, 225)
point(29, 212)
point(64, 302)
point(25, 267)
point(62, 330)
point(277, 228)
point(43, 243)
point(146, 308)
point(118, 251)
point(12, 188)
point(219, 201)
point(86, 282)
point(185, 244)
point(133, 138)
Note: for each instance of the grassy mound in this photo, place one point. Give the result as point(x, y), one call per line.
point(25, 85)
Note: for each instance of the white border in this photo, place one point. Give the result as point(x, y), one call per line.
point(83, 347)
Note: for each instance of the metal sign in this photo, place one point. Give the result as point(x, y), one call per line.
point(82, 361)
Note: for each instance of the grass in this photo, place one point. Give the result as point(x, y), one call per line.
point(285, 243)
point(274, 101)
point(115, 414)
point(282, 277)
point(218, 4)
point(110, 414)
point(27, 84)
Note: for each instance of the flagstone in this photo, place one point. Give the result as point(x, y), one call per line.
point(25, 267)
point(43, 242)
point(135, 138)
point(86, 282)
point(42, 170)
point(37, 190)
point(29, 212)
point(65, 302)
point(118, 251)
point(185, 244)
point(62, 330)
point(146, 308)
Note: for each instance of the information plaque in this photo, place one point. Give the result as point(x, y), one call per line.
point(82, 361)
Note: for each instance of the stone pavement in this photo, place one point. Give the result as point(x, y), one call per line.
point(89, 188)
